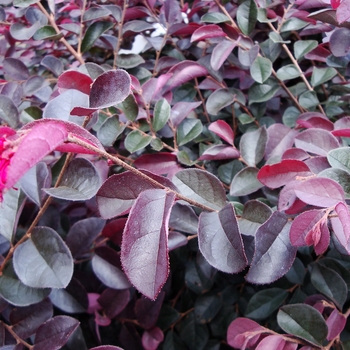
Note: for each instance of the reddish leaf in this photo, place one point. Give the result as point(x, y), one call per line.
point(218, 152)
point(161, 163)
point(295, 153)
point(223, 130)
point(316, 122)
point(152, 338)
point(74, 80)
point(54, 333)
point(110, 88)
point(39, 141)
point(207, 32)
point(74, 129)
point(277, 175)
point(335, 4)
point(144, 251)
point(317, 141)
point(321, 192)
point(183, 29)
point(182, 73)
point(276, 342)
point(310, 228)
point(220, 241)
point(336, 323)
point(341, 225)
point(243, 333)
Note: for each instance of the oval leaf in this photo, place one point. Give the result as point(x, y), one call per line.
point(44, 260)
point(220, 241)
point(144, 250)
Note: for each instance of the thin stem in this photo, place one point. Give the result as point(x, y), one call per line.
point(18, 339)
point(223, 9)
point(62, 40)
point(202, 99)
point(140, 174)
point(81, 28)
point(120, 34)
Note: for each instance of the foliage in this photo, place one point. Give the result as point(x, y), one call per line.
point(174, 175)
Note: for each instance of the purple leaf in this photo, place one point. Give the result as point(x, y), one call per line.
point(274, 254)
point(15, 69)
point(315, 122)
point(176, 240)
point(321, 192)
point(8, 111)
point(39, 141)
point(74, 80)
point(243, 333)
point(310, 228)
point(223, 130)
point(336, 323)
point(106, 347)
point(110, 88)
point(280, 138)
point(252, 146)
point(114, 301)
point(152, 338)
point(341, 225)
point(181, 110)
point(206, 32)
point(172, 14)
point(53, 64)
point(218, 152)
point(279, 174)
point(54, 333)
point(144, 251)
point(221, 52)
point(317, 141)
point(276, 342)
point(161, 163)
point(147, 311)
point(295, 153)
point(220, 241)
point(182, 73)
point(117, 194)
point(343, 11)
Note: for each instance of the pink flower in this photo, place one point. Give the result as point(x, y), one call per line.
point(6, 153)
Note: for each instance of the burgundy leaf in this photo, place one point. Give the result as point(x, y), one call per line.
point(336, 323)
point(321, 192)
point(182, 73)
point(276, 342)
point(117, 194)
point(183, 29)
point(295, 153)
point(110, 88)
point(15, 69)
point(316, 122)
point(279, 174)
point(310, 228)
point(172, 14)
point(287, 196)
point(147, 311)
point(144, 251)
point(341, 225)
point(206, 32)
point(54, 333)
point(152, 338)
point(317, 141)
point(106, 347)
point(39, 141)
point(223, 130)
point(161, 163)
point(220, 241)
point(274, 254)
point(74, 80)
point(218, 152)
point(243, 333)
point(280, 138)
point(114, 301)
point(221, 52)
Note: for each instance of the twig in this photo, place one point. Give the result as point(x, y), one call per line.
point(138, 173)
point(120, 34)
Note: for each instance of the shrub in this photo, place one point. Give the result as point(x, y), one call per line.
point(174, 175)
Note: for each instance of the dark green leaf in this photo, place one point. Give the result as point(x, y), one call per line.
point(24, 3)
point(309, 100)
point(136, 141)
point(293, 23)
point(47, 33)
point(252, 146)
point(94, 31)
point(321, 75)
point(188, 130)
point(218, 100)
point(206, 307)
point(289, 71)
point(130, 108)
point(302, 47)
point(247, 15)
point(109, 131)
point(214, 17)
point(304, 322)
point(161, 114)
point(129, 61)
point(245, 182)
point(261, 69)
point(329, 283)
point(265, 302)
point(339, 158)
point(262, 93)
point(8, 111)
